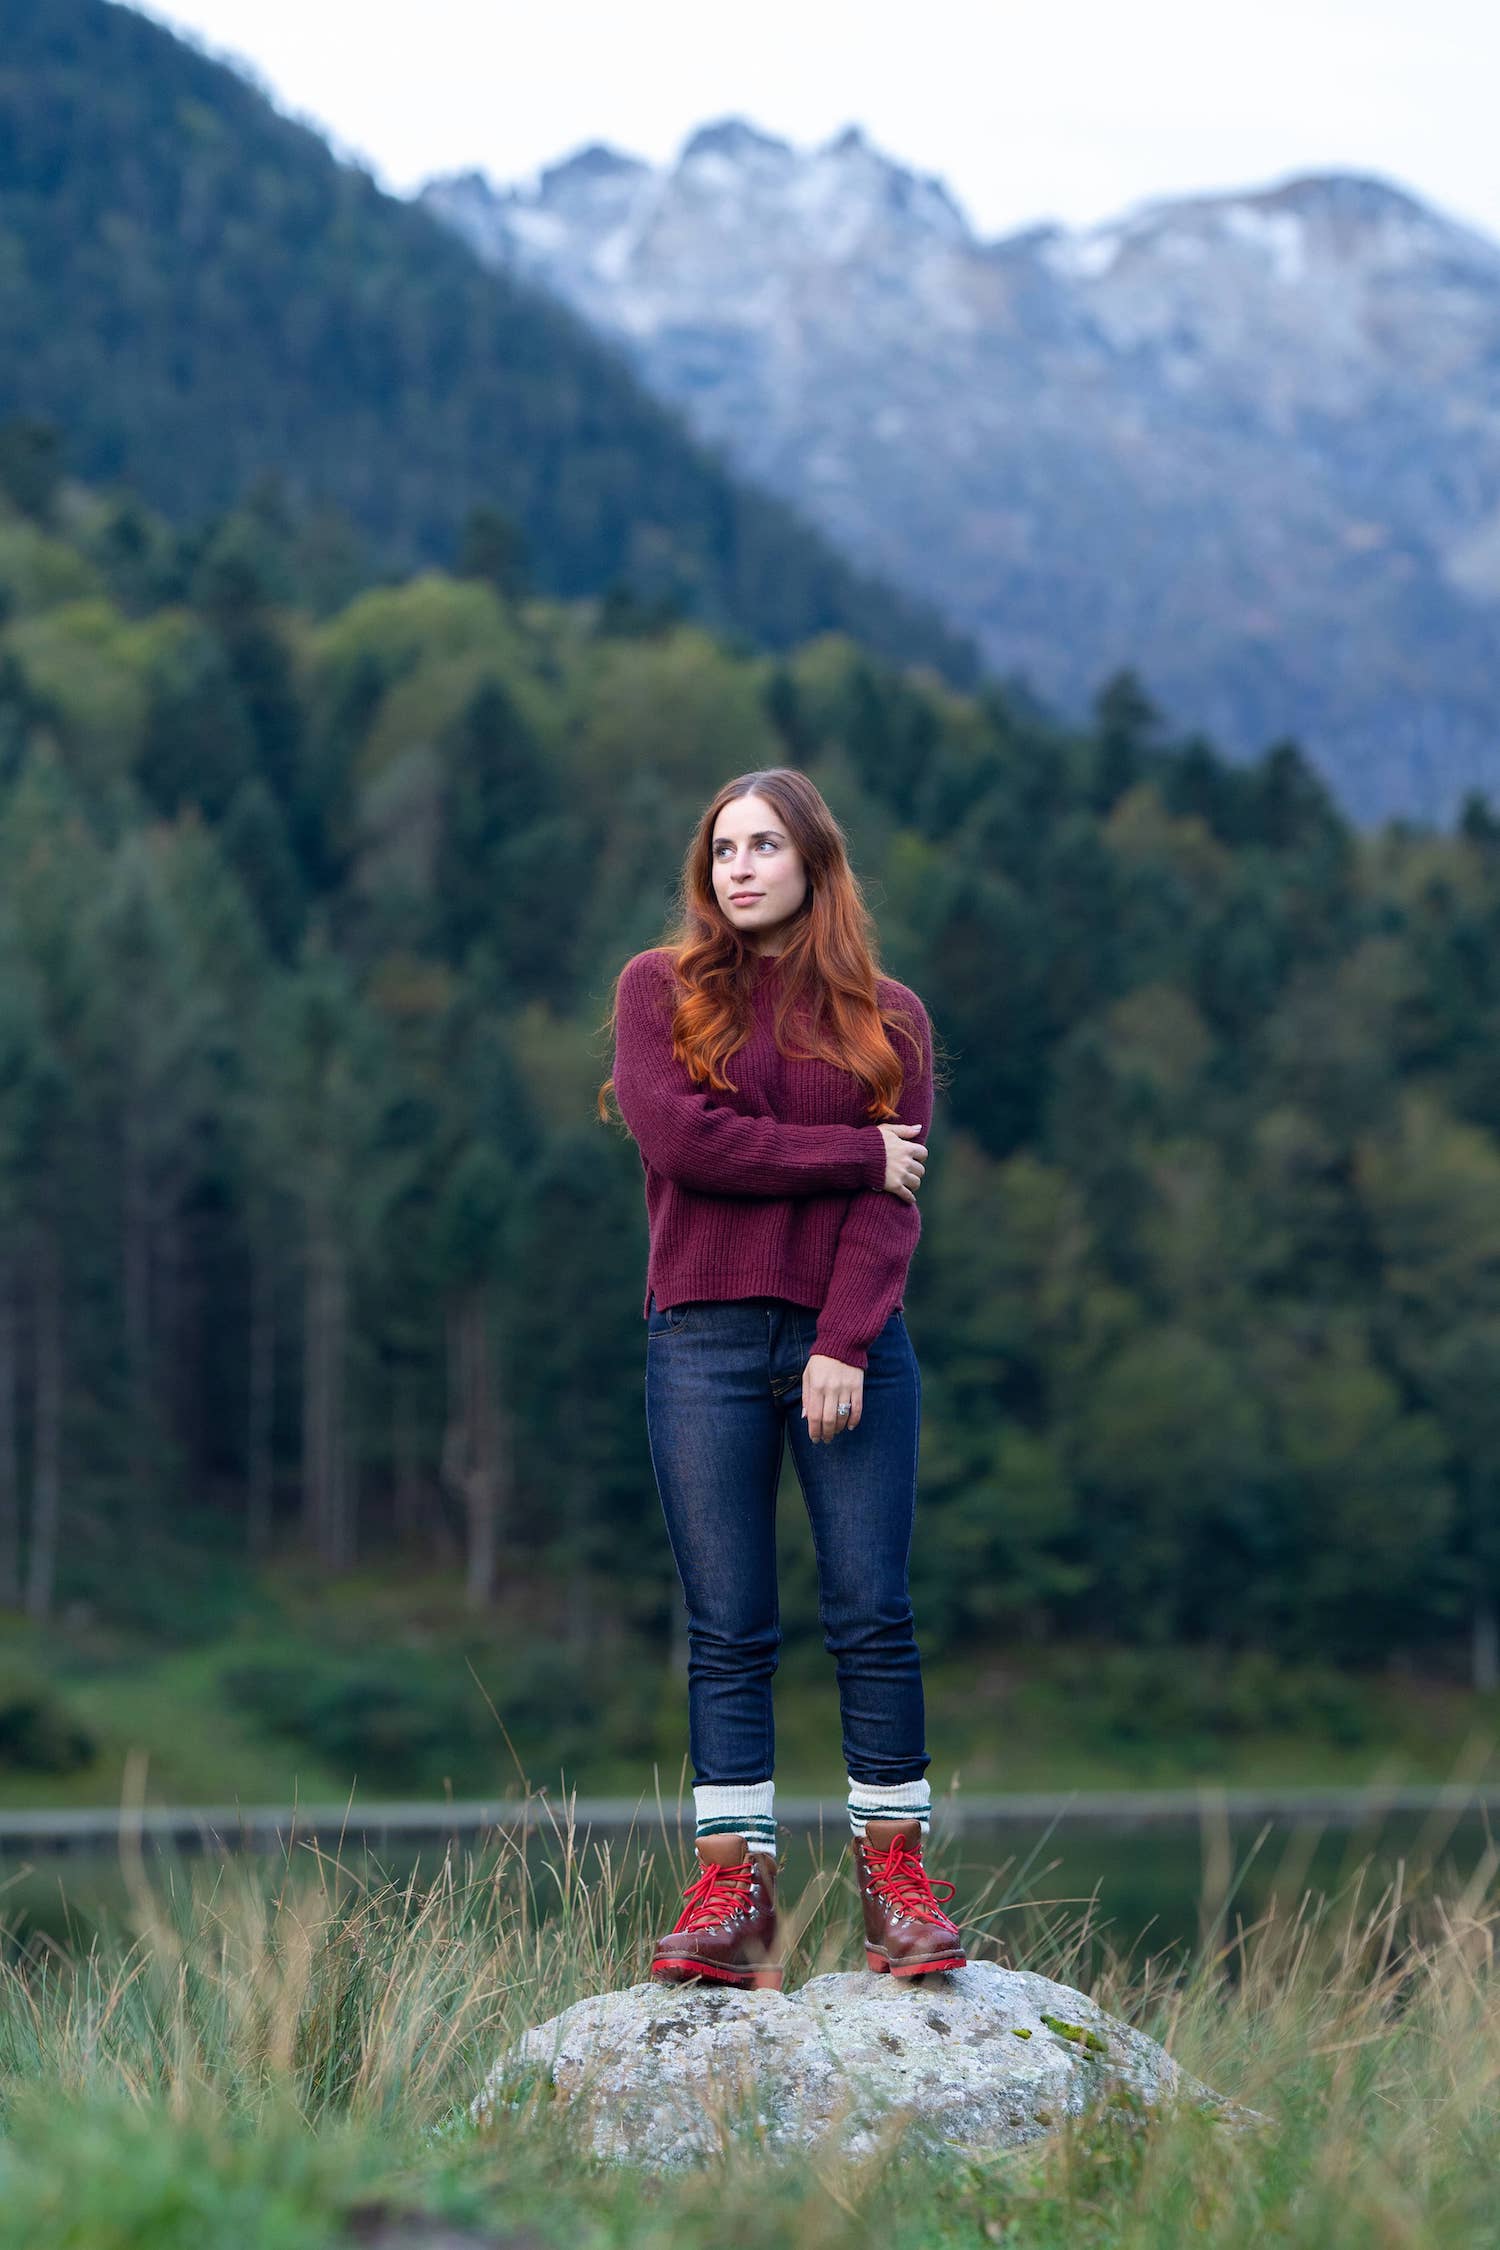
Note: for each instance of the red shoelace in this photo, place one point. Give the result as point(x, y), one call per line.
point(715, 1894)
point(899, 1873)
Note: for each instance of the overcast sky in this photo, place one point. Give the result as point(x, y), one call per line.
point(1028, 109)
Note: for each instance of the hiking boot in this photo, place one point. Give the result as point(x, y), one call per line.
point(727, 1928)
point(907, 1934)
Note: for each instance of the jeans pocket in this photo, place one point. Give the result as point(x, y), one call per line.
point(665, 1320)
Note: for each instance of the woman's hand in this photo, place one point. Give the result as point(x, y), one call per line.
point(826, 1383)
point(905, 1161)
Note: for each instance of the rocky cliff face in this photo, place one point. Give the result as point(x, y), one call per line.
point(1248, 443)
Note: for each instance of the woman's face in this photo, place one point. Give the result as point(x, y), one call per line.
point(752, 853)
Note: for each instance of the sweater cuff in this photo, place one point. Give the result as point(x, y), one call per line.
point(874, 1158)
point(848, 1349)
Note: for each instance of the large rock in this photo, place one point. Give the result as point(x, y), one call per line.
point(980, 2059)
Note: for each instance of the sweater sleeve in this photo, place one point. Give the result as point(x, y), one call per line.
point(878, 1233)
point(687, 1134)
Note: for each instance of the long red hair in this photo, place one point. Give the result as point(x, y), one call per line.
point(829, 966)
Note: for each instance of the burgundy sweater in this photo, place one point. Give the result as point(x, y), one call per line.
point(776, 1189)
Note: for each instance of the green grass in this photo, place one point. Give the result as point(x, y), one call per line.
point(1059, 1718)
point(258, 2058)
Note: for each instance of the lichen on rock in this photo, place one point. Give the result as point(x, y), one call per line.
point(663, 2075)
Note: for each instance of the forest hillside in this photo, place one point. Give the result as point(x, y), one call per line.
point(196, 293)
point(313, 1246)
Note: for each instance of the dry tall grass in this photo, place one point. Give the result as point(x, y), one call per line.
point(316, 2005)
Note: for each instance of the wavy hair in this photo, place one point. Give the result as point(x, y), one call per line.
point(828, 985)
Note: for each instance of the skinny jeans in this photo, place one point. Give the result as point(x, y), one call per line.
point(723, 1391)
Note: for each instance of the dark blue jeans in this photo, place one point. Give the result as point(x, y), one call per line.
point(723, 1391)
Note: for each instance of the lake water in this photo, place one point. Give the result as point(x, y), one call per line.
point(1145, 1890)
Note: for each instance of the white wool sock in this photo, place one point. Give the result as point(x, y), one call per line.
point(741, 1808)
point(889, 1800)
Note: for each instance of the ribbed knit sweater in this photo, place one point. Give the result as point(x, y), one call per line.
point(775, 1189)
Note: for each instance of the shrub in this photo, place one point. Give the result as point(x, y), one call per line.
point(1130, 1695)
point(404, 1721)
point(38, 1733)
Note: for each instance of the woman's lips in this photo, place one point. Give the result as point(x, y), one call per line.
point(745, 898)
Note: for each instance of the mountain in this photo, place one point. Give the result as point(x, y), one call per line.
point(196, 292)
point(1248, 444)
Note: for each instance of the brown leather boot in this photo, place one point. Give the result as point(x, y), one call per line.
point(727, 1928)
point(907, 1934)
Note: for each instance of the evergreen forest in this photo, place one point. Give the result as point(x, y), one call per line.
point(198, 293)
point(312, 1242)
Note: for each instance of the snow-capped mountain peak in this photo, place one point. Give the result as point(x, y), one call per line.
point(1246, 441)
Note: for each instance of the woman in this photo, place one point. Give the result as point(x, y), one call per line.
point(779, 1091)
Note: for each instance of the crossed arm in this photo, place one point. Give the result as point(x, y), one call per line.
point(877, 1235)
point(688, 1135)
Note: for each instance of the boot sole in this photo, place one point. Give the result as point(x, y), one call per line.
point(885, 1968)
point(687, 1972)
